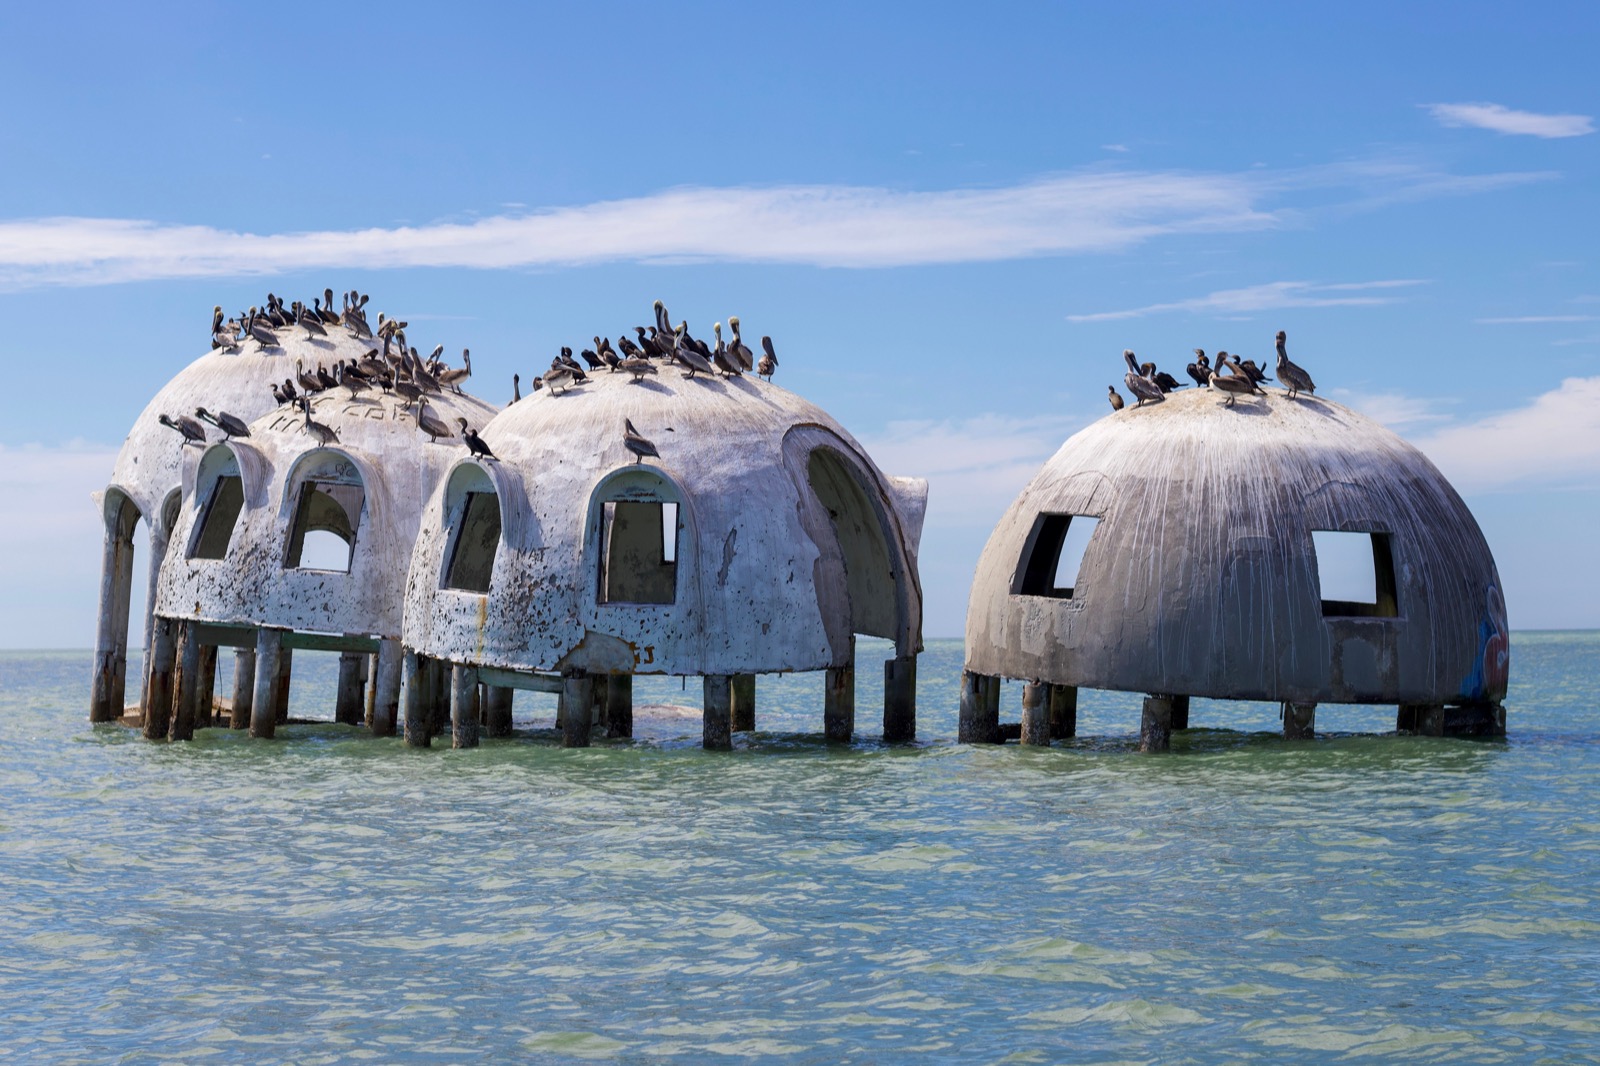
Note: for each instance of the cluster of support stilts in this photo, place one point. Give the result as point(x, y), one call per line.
point(1050, 712)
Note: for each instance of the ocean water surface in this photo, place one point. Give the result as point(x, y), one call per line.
point(327, 897)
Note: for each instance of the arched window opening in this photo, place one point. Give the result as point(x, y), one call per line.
point(326, 519)
point(871, 573)
point(1053, 554)
point(638, 551)
point(219, 512)
point(477, 538)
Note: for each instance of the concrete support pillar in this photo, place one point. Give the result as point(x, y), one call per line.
point(1422, 719)
point(1063, 712)
point(1299, 721)
point(1155, 724)
point(158, 685)
point(497, 710)
point(438, 701)
point(386, 673)
point(285, 673)
point(900, 700)
point(158, 552)
point(463, 706)
point(599, 690)
point(206, 705)
point(716, 730)
point(414, 693)
point(619, 706)
point(186, 684)
point(744, 703)
point(1475, 720)
point(577, 696)
point(107, 689)
point(1036, 714)
point(980, 709)
point(1180, 712)
point(369, 673)
point(839, 704)
point(269, 674)
point(244, 686)
point(348, 704)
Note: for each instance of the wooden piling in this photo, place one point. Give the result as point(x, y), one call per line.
point(269, 673)
point(716, 731)
point(186, 684)
point(839, 704)
point(619, 706)
point(386, 673)
point(1063, 712)
point(1155, 724)
point(1035, 714)
point(980, 709)
point(108, 686)
point(463, 706)
point(497, 710)
point(158, 686)
point(244, 687)
point(577, 696)
point(1299, 721)
point(744, 703)
point(900, 700)
point(414, 693)
point(348, 703)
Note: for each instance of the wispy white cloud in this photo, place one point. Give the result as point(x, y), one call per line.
point(1395, 410)
point(1502, 119)
point(1097, 210)
point(1269, 297)
point(1553, 440)
point(1524, 319)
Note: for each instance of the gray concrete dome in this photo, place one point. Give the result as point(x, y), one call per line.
point(760, 540)
point(1201, 577)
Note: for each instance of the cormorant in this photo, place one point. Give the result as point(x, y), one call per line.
point(1200, 369)
point(475, 443)
point(1115, 397)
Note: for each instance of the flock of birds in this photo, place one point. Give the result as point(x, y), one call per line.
point(1243, 378)
point(395, 367)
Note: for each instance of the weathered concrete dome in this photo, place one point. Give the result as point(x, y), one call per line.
point(1201, 577)
point(277, 529)
point(760, 540)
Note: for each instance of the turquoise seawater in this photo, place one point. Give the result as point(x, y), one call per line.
point(327, 897)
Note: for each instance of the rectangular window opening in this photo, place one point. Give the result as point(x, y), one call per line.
point(222, 512)
point(476, 541)
point(1053, 555)
point(638, 552)
point(1355, 574)
point(325, 521)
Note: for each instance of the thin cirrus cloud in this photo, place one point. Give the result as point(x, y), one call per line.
point(1503, 119)
point(1271, 296)
point(1090, 211)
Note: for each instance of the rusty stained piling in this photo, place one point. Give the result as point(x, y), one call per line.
point(158, 686)
point(577, 697)
point(108, 689)
point(386, 687)
point(619, 706)
point(186, 684)
point(206, 707)
point(900, 699)
point(743, 715)
point(269, 674)
point(716, 731)
point(463, 706)
point(413, 693)
point(244, 687)
point(1063, 712)
point(1155, 724)
point(839, 704)
point(285, 674)
point(980, 709)
point(347, 707)
point(1299, 721)
point(497, 710)
point(1035, 714)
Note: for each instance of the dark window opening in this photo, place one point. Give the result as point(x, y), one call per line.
point(222, 512)
point(1355, 574)
point(638, 552)
point(1053, 555)
point(325, 522)
point(476, 541)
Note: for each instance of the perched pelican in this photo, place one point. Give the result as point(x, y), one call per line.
point(1142, 387)
point(430, 425)
point(309, 321)
point(1115, 397)
point(1200, 369)
point(636, 443)
point(230, 426)
point(721, 357)
point(560, 376)
point(407, 391)
point(688, 356)
point(475, 443)
point(324, 434)
point(351, 379)
point(308, 382)
point(221, 336)
point(1235, 384)
point(638, 366)
point(663, 320)
point(769, 361)
point(516, 388)
point(264, 336)
point(738, 348)
point(193, 432)
point(1294, 377)
point(455, 377)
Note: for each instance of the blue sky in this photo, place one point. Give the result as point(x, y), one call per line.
point(951, 220)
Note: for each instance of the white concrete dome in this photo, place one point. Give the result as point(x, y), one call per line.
point(1201, 576)
point(760, 540)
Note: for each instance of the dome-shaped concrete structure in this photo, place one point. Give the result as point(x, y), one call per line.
point(1202, 578)
point(760, 540)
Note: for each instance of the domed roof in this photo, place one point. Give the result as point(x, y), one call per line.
point(1201, 577)
point(367, 488)
point(777, 535)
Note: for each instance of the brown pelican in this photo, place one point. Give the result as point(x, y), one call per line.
point(308, 320)
point(407, 391)
point(1200, 369)
point(738, 348)
point(721, 357)
point(688, 356)
point(769, 361)
point(221, 335)
point(308, 382)
point(560, 376)
point(475, 443)
point(1235, 384)
point(231, 427)
point(636, 443)
point(638, 366)
point(663, 320)
point(566, 360)
point(351, 379)
point(1294, 377)
point(1115, 397)
point(430, 425)
point(324, 434)
point(193, 432)
point(1142, 387)
point(455, 376)
point(516, 388)
point(264, 336)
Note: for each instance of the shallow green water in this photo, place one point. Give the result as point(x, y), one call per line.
point(327, 897)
